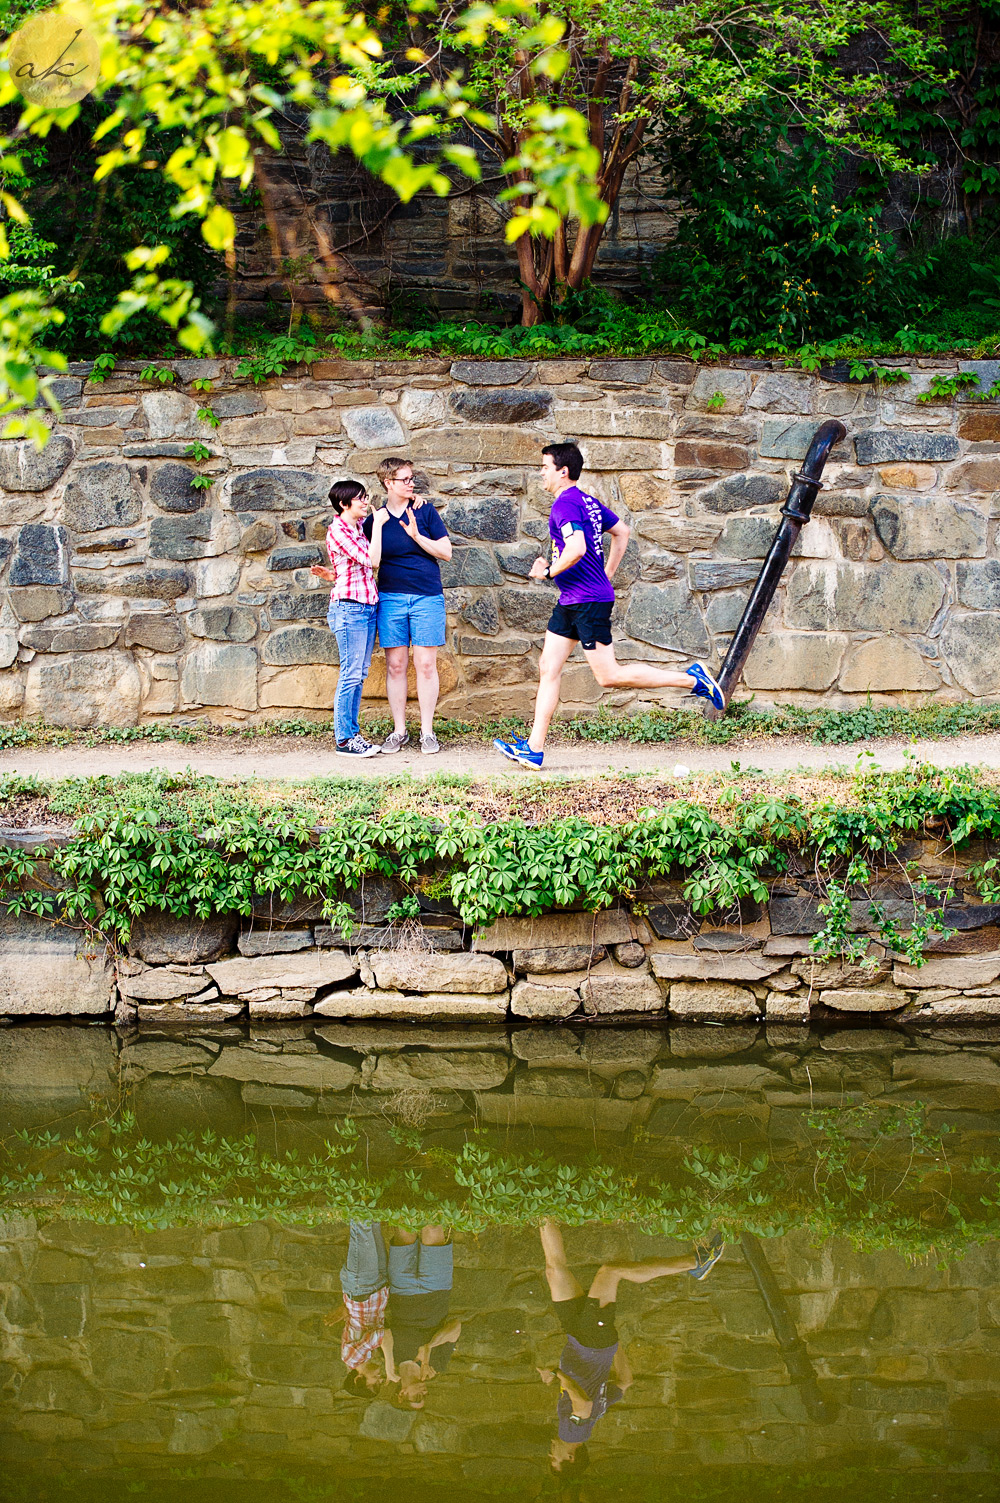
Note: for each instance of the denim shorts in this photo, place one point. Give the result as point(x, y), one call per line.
point(411, 621)
point(417, 1269)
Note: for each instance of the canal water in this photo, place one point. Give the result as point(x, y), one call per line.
point(181, 1217)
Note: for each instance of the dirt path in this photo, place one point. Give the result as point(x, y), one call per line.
point(295, 759)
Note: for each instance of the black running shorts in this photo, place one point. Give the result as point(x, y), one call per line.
point(587, 624)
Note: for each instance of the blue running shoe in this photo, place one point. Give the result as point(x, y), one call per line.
point(706, 686)
point(708, 1254)
point(518, 750)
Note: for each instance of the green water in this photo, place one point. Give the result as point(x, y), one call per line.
point(175, 1215)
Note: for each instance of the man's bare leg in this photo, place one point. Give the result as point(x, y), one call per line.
point(563, 1283)
point(435, 1236)
point(611, 674)
point(400, 1237)
point(397, 661)
point(554, 654)
point(607, 1278)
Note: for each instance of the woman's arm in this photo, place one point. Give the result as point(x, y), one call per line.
point(439, 548)
point(392, 1376)
point(355, 548)
point(449, 1330)
point(621, 1371)
point(375, 544)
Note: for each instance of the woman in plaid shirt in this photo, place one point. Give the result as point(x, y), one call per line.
point(364, 1281)
point(353, 602)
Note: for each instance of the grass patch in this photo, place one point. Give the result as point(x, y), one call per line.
point(745, 724)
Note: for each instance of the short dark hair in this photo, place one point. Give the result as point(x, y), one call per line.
point(343, 492)
point(355, 1384)
point(566, 457)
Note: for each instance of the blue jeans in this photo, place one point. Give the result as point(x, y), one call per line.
point(353, 625)
point(366, 1268)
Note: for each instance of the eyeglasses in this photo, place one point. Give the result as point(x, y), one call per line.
point(403, 479)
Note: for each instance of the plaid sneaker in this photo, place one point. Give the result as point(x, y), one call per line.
point(518, 750)
point(705, 686)
point(708, 1254)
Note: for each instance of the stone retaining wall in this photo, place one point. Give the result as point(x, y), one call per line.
point(658, 959)
point(129, 595)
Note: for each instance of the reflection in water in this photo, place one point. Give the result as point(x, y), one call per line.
point(593, 1371)
point(352, 1297)
point(364, 1280)
point(420, 1336)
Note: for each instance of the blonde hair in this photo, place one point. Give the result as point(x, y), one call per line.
point(387, 470)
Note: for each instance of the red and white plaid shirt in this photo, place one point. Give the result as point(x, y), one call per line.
point(364, 1327)
point(351, 562)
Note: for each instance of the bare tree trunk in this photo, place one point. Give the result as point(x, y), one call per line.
point(558, 271)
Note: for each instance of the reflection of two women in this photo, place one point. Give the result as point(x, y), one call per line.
point(593, 1372)
point(397, 1299)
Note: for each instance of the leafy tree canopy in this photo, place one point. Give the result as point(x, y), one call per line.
point(218, 75)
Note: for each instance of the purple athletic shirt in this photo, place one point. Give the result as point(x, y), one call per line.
point(586, 580)
point(589, 1366)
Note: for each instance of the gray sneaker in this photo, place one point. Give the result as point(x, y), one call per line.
point(429, 745)
point(395, 742)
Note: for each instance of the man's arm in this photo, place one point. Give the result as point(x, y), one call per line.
point(621, 1371)
point(569, 554)
point(583, 1405)
point(619, 535)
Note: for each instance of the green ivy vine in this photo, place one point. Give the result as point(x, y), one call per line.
point(201, 848)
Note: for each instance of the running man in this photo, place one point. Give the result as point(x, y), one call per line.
point(586, 597)
point(593, 1372)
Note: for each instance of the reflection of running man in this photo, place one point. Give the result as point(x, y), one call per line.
point(421, 1335)
point(364, 1280)
point(593, 1371)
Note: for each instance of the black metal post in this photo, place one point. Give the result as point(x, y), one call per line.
point(794, 514)
point(794, 1354)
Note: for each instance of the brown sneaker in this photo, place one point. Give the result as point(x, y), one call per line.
point(429, 745)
